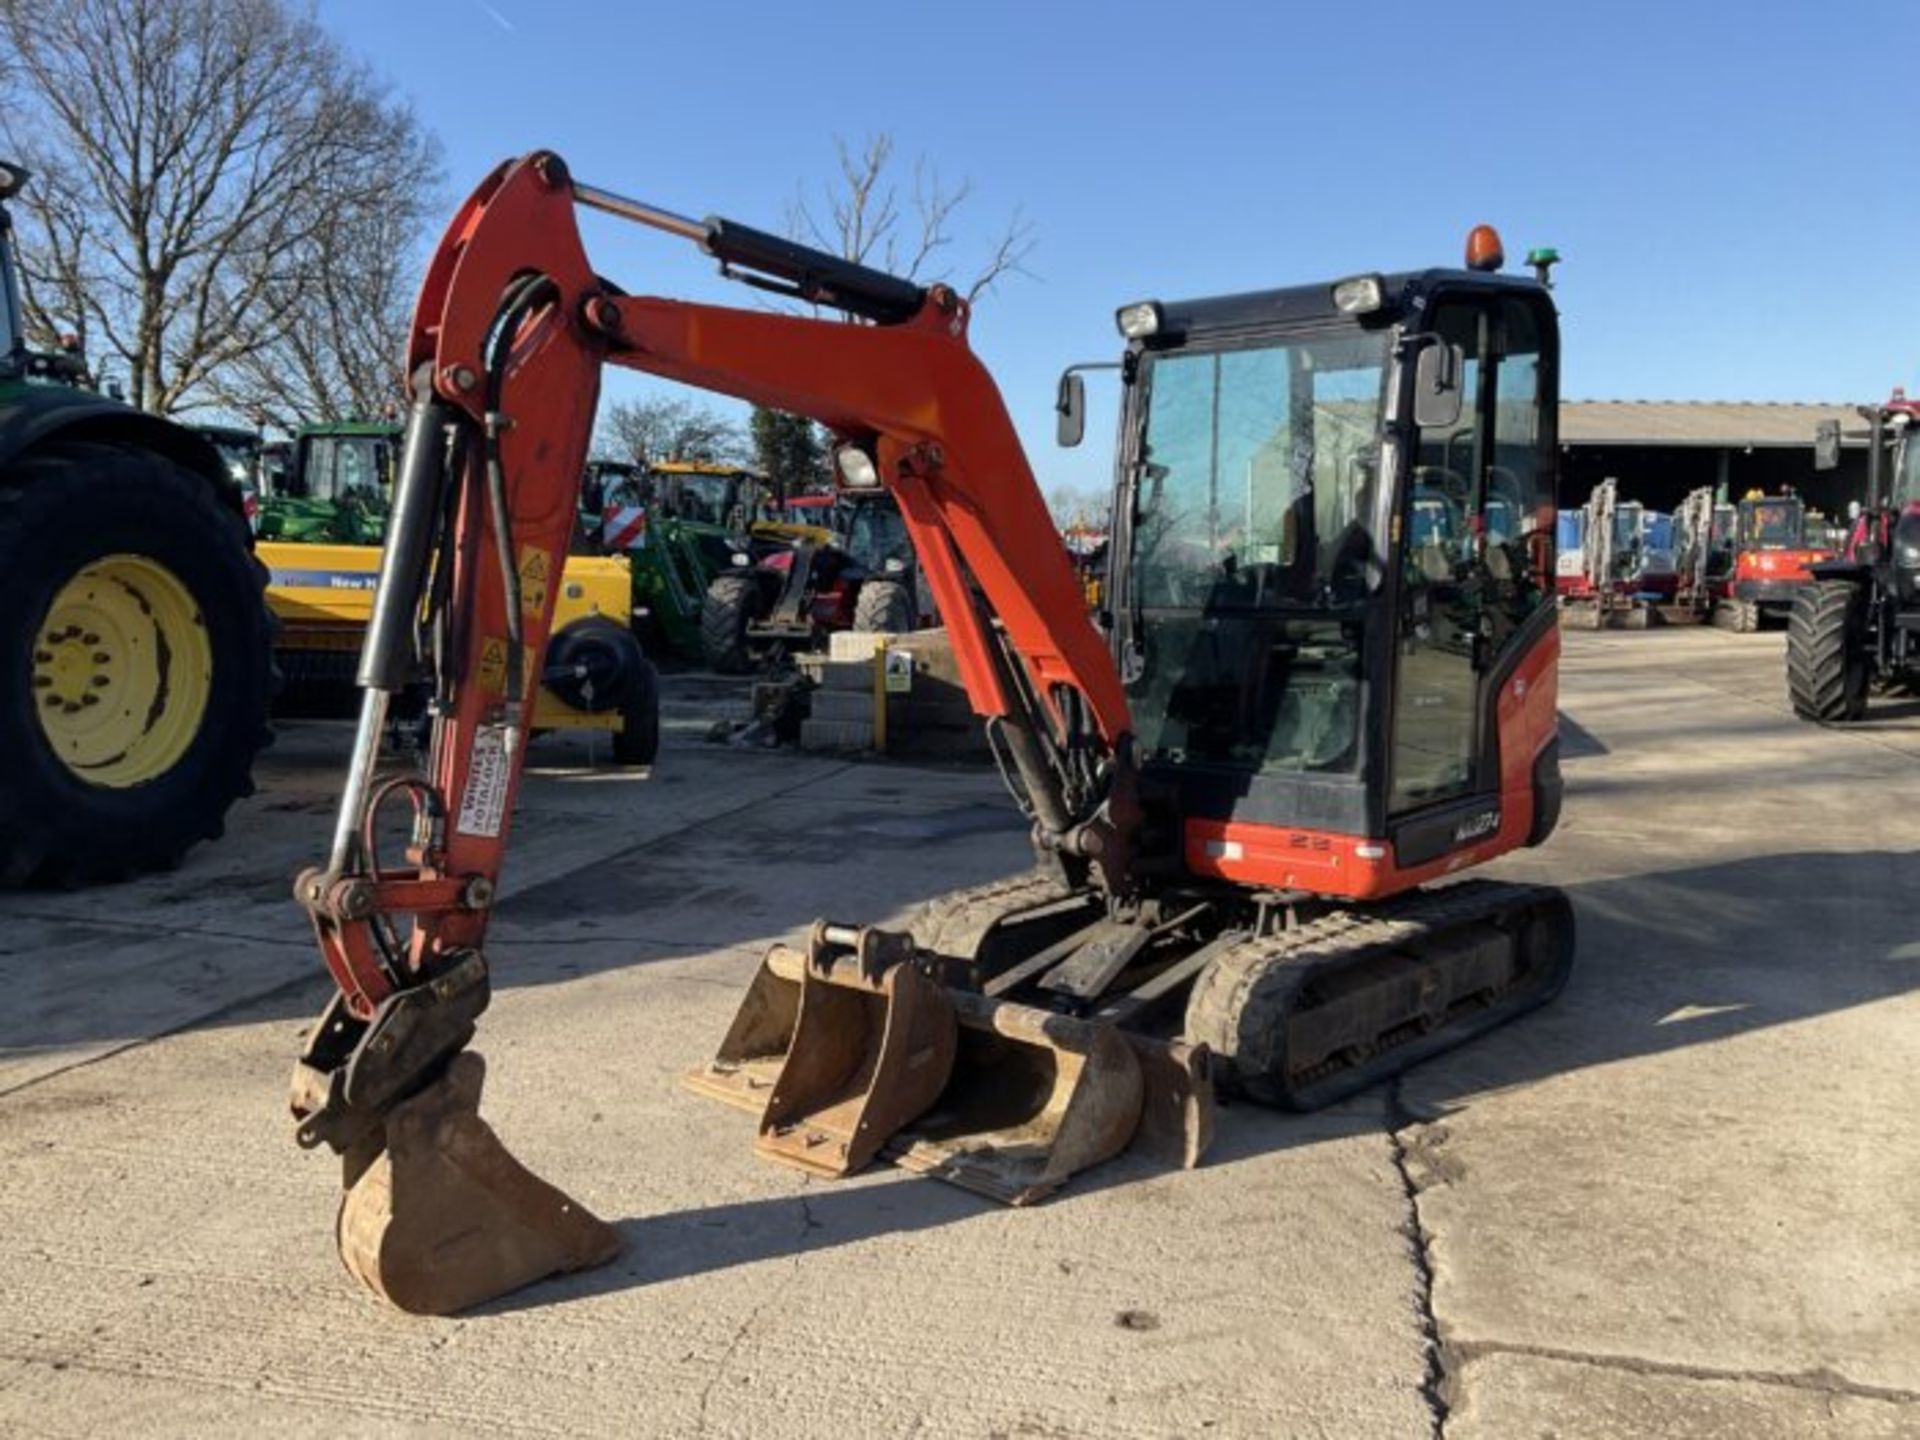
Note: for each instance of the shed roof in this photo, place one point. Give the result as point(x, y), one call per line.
point(1710, 423)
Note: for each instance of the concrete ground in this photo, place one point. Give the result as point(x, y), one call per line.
point(1678, 1202)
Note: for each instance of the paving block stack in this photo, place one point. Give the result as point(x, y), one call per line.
point(931, 720)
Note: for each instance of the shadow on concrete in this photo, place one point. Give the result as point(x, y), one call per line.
point(1666, 960)
point(826, 1215)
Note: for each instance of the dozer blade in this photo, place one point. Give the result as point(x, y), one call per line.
point(1034, 1098)
point(443, 1218)
point(873, 1044)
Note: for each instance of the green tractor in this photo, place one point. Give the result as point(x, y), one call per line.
point(681, 523)
point(330, 485)
point(135, 642)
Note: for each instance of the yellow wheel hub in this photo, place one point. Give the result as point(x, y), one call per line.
point(122, 671)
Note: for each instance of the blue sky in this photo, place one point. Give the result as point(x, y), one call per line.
point(1727, 185)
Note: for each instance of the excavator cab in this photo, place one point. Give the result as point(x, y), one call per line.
point(1333, 550)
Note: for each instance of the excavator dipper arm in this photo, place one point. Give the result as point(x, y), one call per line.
point(504, 358)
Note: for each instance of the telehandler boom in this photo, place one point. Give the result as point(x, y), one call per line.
point(1293, 718)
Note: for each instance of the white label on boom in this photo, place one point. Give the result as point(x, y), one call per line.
point(484, 805)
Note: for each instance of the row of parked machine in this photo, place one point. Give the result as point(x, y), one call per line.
point(1847, 590)
point(1738, 564)
point(678, 563)
point(731, 574)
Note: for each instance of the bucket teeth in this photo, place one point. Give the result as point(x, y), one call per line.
point(443, 1218)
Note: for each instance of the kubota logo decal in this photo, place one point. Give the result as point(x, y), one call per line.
point(1472, 828)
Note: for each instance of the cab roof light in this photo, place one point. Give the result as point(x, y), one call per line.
point(1359, 295)
point(1484, 250)
point(1139, 320)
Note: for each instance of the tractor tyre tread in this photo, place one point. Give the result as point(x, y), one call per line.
point(731, 602)
point(884, 607)
point(637, 742)
point(1827, 679)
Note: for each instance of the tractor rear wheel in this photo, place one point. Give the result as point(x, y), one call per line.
point(731, 602)
point(131, 610)
point(884, 607)
point(1827, 670)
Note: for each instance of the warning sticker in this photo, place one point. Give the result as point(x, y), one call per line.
point(493, 666)
point(899, 672)
point(484, 805)
point(536, 575)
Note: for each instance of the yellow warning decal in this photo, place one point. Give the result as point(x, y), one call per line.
point(493, 666)
point(536, 575)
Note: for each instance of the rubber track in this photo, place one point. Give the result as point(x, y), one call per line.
point(1249, 990)
point(1820, 642)
point(954, 924)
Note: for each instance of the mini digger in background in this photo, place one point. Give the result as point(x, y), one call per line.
point(1247, 777)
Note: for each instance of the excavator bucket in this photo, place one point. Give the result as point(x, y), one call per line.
point(855, 1048)
point(743, 1070)
point(443, 1218)
point(1034, 1098)
point(873, 1045)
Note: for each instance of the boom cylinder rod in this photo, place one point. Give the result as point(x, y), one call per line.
point(386, 656)
point(595, 198)
point(360, 767)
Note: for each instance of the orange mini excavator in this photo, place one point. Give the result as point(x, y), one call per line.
point(1324, 679)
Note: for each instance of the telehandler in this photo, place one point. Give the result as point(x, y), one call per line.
point(1243, 780)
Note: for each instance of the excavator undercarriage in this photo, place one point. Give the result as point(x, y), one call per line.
point(1060, 1035)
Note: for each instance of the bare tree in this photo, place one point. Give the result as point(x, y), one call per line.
point(213, 181)
point(861, 216)
point(1075, 508)
point(668, 428)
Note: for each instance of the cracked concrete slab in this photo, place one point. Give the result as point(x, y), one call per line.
point(1506, 1396)
point(1694, 1159)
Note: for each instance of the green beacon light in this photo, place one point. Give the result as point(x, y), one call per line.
point(1543, 260)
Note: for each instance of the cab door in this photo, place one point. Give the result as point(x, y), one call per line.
point(1476, 514)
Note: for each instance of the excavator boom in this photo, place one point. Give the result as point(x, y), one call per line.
point(504, 358)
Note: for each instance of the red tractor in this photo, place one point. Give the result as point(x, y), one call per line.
point(1773, 547)
point(1855, 626)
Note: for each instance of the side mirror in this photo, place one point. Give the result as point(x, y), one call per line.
point(1826, 445)
point(1070, 411)
point(1436, 386)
